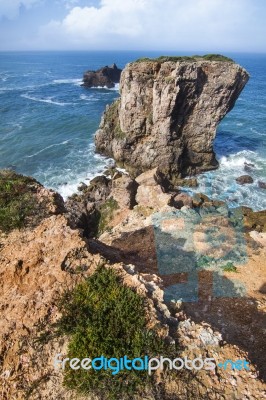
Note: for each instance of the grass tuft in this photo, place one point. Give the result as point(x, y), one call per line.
point(17, 201)
point(229, 267)
point(101, 316)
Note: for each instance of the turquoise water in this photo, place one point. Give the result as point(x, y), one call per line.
point(48, 123)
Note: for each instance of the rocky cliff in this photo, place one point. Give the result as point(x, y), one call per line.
point(168, 114)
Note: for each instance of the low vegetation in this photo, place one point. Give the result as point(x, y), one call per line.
point(101, 316)
point(229, 267)
point(106, 212)
point(207, 57)
point(17, 201)
point(112, 117)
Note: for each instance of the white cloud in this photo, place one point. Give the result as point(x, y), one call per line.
point(116, 18)
point(69, 4)
point(10, 8)
point(209, 25)
point(190, 24)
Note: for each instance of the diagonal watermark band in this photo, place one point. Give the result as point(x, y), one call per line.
point(188, 241)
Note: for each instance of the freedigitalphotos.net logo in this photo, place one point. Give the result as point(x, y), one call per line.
point(145, 364)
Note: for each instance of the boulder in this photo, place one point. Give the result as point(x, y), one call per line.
point(199, 198)
point(254, 220)
point(181, 200)
point(244, 179)
point(124, 191)
point(150, 193)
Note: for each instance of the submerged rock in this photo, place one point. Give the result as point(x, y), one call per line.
point(244, 179)
point(103, 77)
point(262, 185)
point(168, 115)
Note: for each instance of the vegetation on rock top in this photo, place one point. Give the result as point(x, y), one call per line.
point(206, 57)
point(22, 204)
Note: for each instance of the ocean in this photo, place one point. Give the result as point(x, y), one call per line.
point(48, 122)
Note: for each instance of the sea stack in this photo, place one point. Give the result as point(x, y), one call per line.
point(103, 77)
point(168, 114)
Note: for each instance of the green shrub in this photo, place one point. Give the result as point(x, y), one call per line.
point(17, 202)
point(229, 267)
point(217, 57)
point(144, 59)
point(103, 317)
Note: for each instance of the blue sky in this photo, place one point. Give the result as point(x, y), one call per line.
point(188, 25)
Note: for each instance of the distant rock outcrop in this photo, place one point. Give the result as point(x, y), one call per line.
point(168, 114)
point(103, 77)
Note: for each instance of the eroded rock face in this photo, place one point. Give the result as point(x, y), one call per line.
point(104, 77)
point(168, 114)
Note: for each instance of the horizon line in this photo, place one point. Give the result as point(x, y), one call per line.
point(134, 50)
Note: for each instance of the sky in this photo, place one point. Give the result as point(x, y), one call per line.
point(188, 25)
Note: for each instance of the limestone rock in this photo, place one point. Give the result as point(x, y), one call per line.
point(168, 115)
point(149, 193)
point(83, 208)
point(124, 191)
point(254, 220)
point(191, 182)
point(36, 265)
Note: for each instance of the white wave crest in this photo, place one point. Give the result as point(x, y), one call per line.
point(88, 98)
point(115, 88)
point(257, 132)
point(43, 100)
point(76, 81)
point(48, 147)
point(238, 160)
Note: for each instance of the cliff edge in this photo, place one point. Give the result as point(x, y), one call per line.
point(168, 114)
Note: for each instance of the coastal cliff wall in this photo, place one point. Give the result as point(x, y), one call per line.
point(168, 114)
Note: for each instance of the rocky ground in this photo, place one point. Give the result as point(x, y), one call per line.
point(133, 224)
